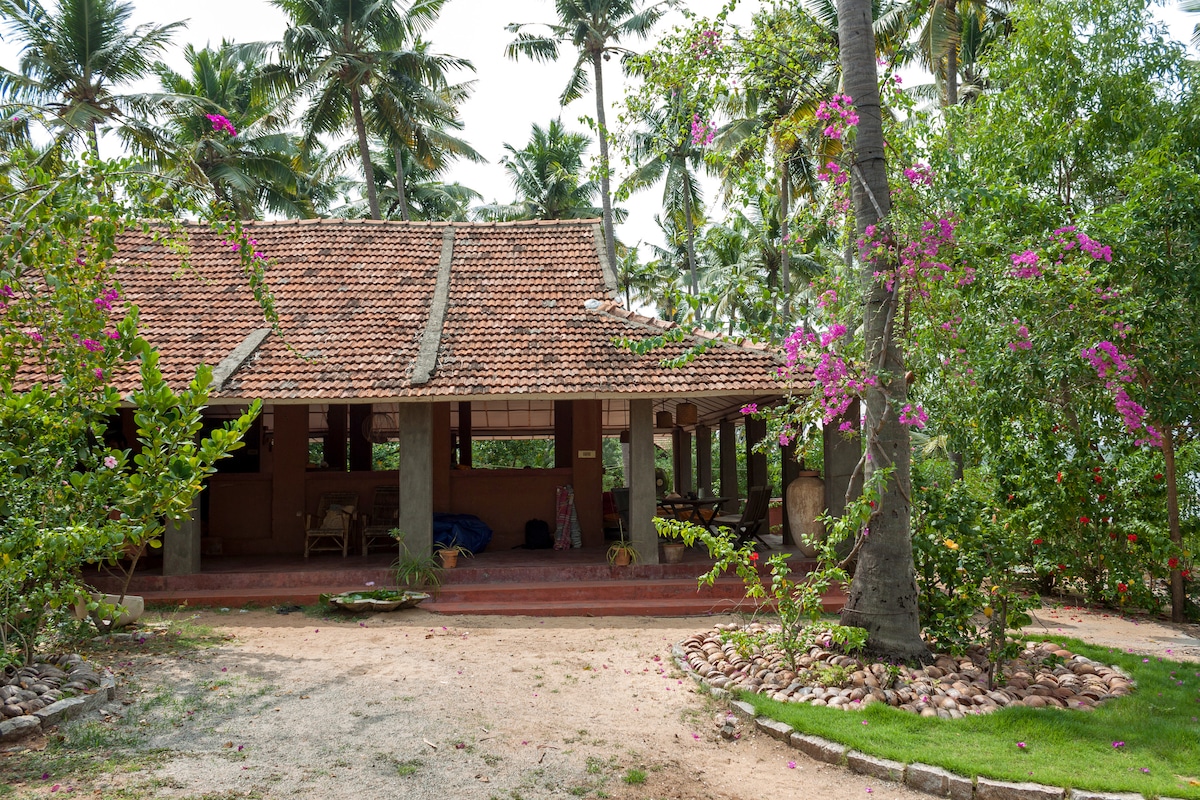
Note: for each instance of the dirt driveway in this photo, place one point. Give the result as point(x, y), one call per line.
point(416, 705)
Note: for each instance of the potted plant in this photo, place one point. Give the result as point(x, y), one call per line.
point(622, 554)
point(415, 571)
point(670, 531)
point(449, 554)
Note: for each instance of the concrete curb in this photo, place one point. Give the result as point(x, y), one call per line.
point(921, 777)
point(66, 709)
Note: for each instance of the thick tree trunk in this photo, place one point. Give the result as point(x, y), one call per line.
point(401, 194)
point(1178, 597)
point(883, 593)
point(364, 151)
point(602, 127)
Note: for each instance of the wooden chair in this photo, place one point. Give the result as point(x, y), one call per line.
point(329, 529)
point(384, 518)
point(748, 525)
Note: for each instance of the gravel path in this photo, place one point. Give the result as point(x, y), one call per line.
point(416, 705)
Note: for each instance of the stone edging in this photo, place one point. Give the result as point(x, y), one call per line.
point(921, 777)
point(46, 718)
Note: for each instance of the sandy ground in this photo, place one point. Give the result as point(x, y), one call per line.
point(416, 705)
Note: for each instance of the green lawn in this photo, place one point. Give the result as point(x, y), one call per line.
point(1157, 723)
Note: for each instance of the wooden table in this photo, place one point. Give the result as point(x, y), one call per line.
point(688, 509)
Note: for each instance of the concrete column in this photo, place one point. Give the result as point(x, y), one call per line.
point(641, 480)
point(704, 460)
point(729, 475)
point(181, 544)
point(841, 457)
point(756, 463)
point(791, 471)
point(416, 476)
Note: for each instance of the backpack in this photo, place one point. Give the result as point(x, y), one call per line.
point(537, 535)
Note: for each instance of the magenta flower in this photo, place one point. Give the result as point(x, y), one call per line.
point(220, 123)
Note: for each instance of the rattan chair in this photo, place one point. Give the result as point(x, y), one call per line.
point(329, 529)
point(377, 526)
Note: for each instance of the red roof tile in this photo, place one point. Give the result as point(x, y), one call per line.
point(354, 300)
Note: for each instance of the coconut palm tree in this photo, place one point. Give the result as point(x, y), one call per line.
point(772, 115)
point(73, 57)
point(883, 594)
point(258, 169)
point(665, 149)
point(547, 175)
point(952, 29)
point(341, 56)
point(595, 29)
point(415, 111)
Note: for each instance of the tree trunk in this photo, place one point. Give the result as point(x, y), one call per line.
point(401, 194)
point(784, 260)
point(364, 151)
point(93, 138)
point(952, 54)
point(602, 127)
point(690, 229)
point(1178, 597)
point(883, 593)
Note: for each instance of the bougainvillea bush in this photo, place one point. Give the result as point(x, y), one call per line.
point(69, 494)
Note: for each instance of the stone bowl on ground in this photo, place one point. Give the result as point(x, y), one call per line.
point(377, 600)
point(1044, 675)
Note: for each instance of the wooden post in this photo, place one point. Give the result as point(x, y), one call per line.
point(334, 451)
point(564, 433)
point(791, 471)
point(756, 463)
point(704, 460)
point(464, 433)
point(729, 475)
point(362, 450)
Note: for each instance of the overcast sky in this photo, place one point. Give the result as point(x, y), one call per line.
point(509, 96)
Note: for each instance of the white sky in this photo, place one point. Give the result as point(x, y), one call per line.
point(509, 96)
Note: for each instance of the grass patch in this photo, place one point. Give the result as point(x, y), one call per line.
point(634, 776)
point(1157, 723)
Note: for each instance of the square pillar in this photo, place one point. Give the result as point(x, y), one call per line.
point(790, 471)
point(362, 451)
point(704, 460)
point(729, 474)
point(288, 478)
point(681, 452)
point(335, 437)
point(841, 457)
point(181, 544)
point(564, 433)
point(416, 477)
point(587, 469)
point(756, 463)
point(641, 480)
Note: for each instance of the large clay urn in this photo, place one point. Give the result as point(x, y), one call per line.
point(805, 502)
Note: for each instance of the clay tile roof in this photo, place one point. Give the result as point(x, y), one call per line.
point(527, 312)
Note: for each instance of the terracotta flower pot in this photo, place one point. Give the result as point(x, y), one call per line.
point(449, 558)
point(621, 558)
point(673, 552)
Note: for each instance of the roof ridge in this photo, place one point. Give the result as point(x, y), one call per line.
point(398, 223)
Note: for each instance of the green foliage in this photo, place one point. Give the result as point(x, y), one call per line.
point(1158, 758)
point(68, 498)
point(416, 570)
point(794, 601)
